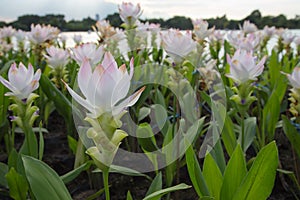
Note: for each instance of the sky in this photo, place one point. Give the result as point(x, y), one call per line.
point(79, 9)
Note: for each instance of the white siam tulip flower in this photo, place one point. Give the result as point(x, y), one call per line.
point(294, 78)
point(20, 35)
point(287, 37)
point(42, 33)
point(249, 43)
point(201, 29)
point(105, 88)
point(269, 31)
point(77, 38)
point(297, 40)
point(249, 27)
point(57, 58)
point(239, 41)
point(7, 32)
point(217, 36)
point(243, 66)
point(88, 52)
point(105, 29)
point(129, 13)
point(177, 44)
point(21, 81)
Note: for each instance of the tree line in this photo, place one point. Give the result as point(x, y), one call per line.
point(181, 22)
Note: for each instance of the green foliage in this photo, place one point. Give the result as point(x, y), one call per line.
point(44, 181)
point(18, 185)
point(24, 22)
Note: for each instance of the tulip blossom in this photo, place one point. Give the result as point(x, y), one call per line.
point(7, 32)
point(249, 27)
point(269, 31)
point(177, 44)
point(129, 13)
point(287, 37)
point(42, 33)
point(294, 78)
point(105, 29)
point(243, 66)
point(57, 58)
point(21, 81)
point(77, 38)
point(105, 88)
point(88, 52)
point(201, 29)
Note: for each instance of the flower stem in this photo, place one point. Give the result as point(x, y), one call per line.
point(105, 182)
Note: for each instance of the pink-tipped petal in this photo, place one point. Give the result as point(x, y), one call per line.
point(84, 75)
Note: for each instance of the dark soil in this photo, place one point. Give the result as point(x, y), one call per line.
point(59, 157)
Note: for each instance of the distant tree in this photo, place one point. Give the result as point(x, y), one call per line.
point(179, 22)
point(114, 19)
point(219, 22)
point(2, 24)
point(255, 17)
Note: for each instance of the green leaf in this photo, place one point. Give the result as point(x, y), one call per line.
point(259, 181)
point(72, 142)
point(212, 176)
point(62, 104)
point(195, 173)
point(41, 142)
point(228, 136)
point(291, 175)
point(129, 197)
point(250, 131)
point(143, 112)
point(292, 134)
point(234, 174)
point(68, 177)
point(146, 137)
point(162, 192)
point(17, 183)
point(3, 171)
point(156, 185)
point(160, 117)
point(125, 171)
point(44, 181)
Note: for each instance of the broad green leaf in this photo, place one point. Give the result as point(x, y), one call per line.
point(195, 173)
point(44, 181)
point(62, 104)
point(125, 171)
point(249, 133)
point(160, 117)
point(146, 137)
point(212, 176)
point(41, 142)
point(259, 181)
point(30, 144)
point(72, 142)
point(162, 192)
point(292, 134)
point(17, 183)
point(234, 174)
point(129, 197)
point(143, 112)
point(68, 177)
point(218, 155)
point(3, 171)
point(156, 185)
point(228, 136)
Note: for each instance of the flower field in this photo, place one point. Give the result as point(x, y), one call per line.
point(146, 113)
